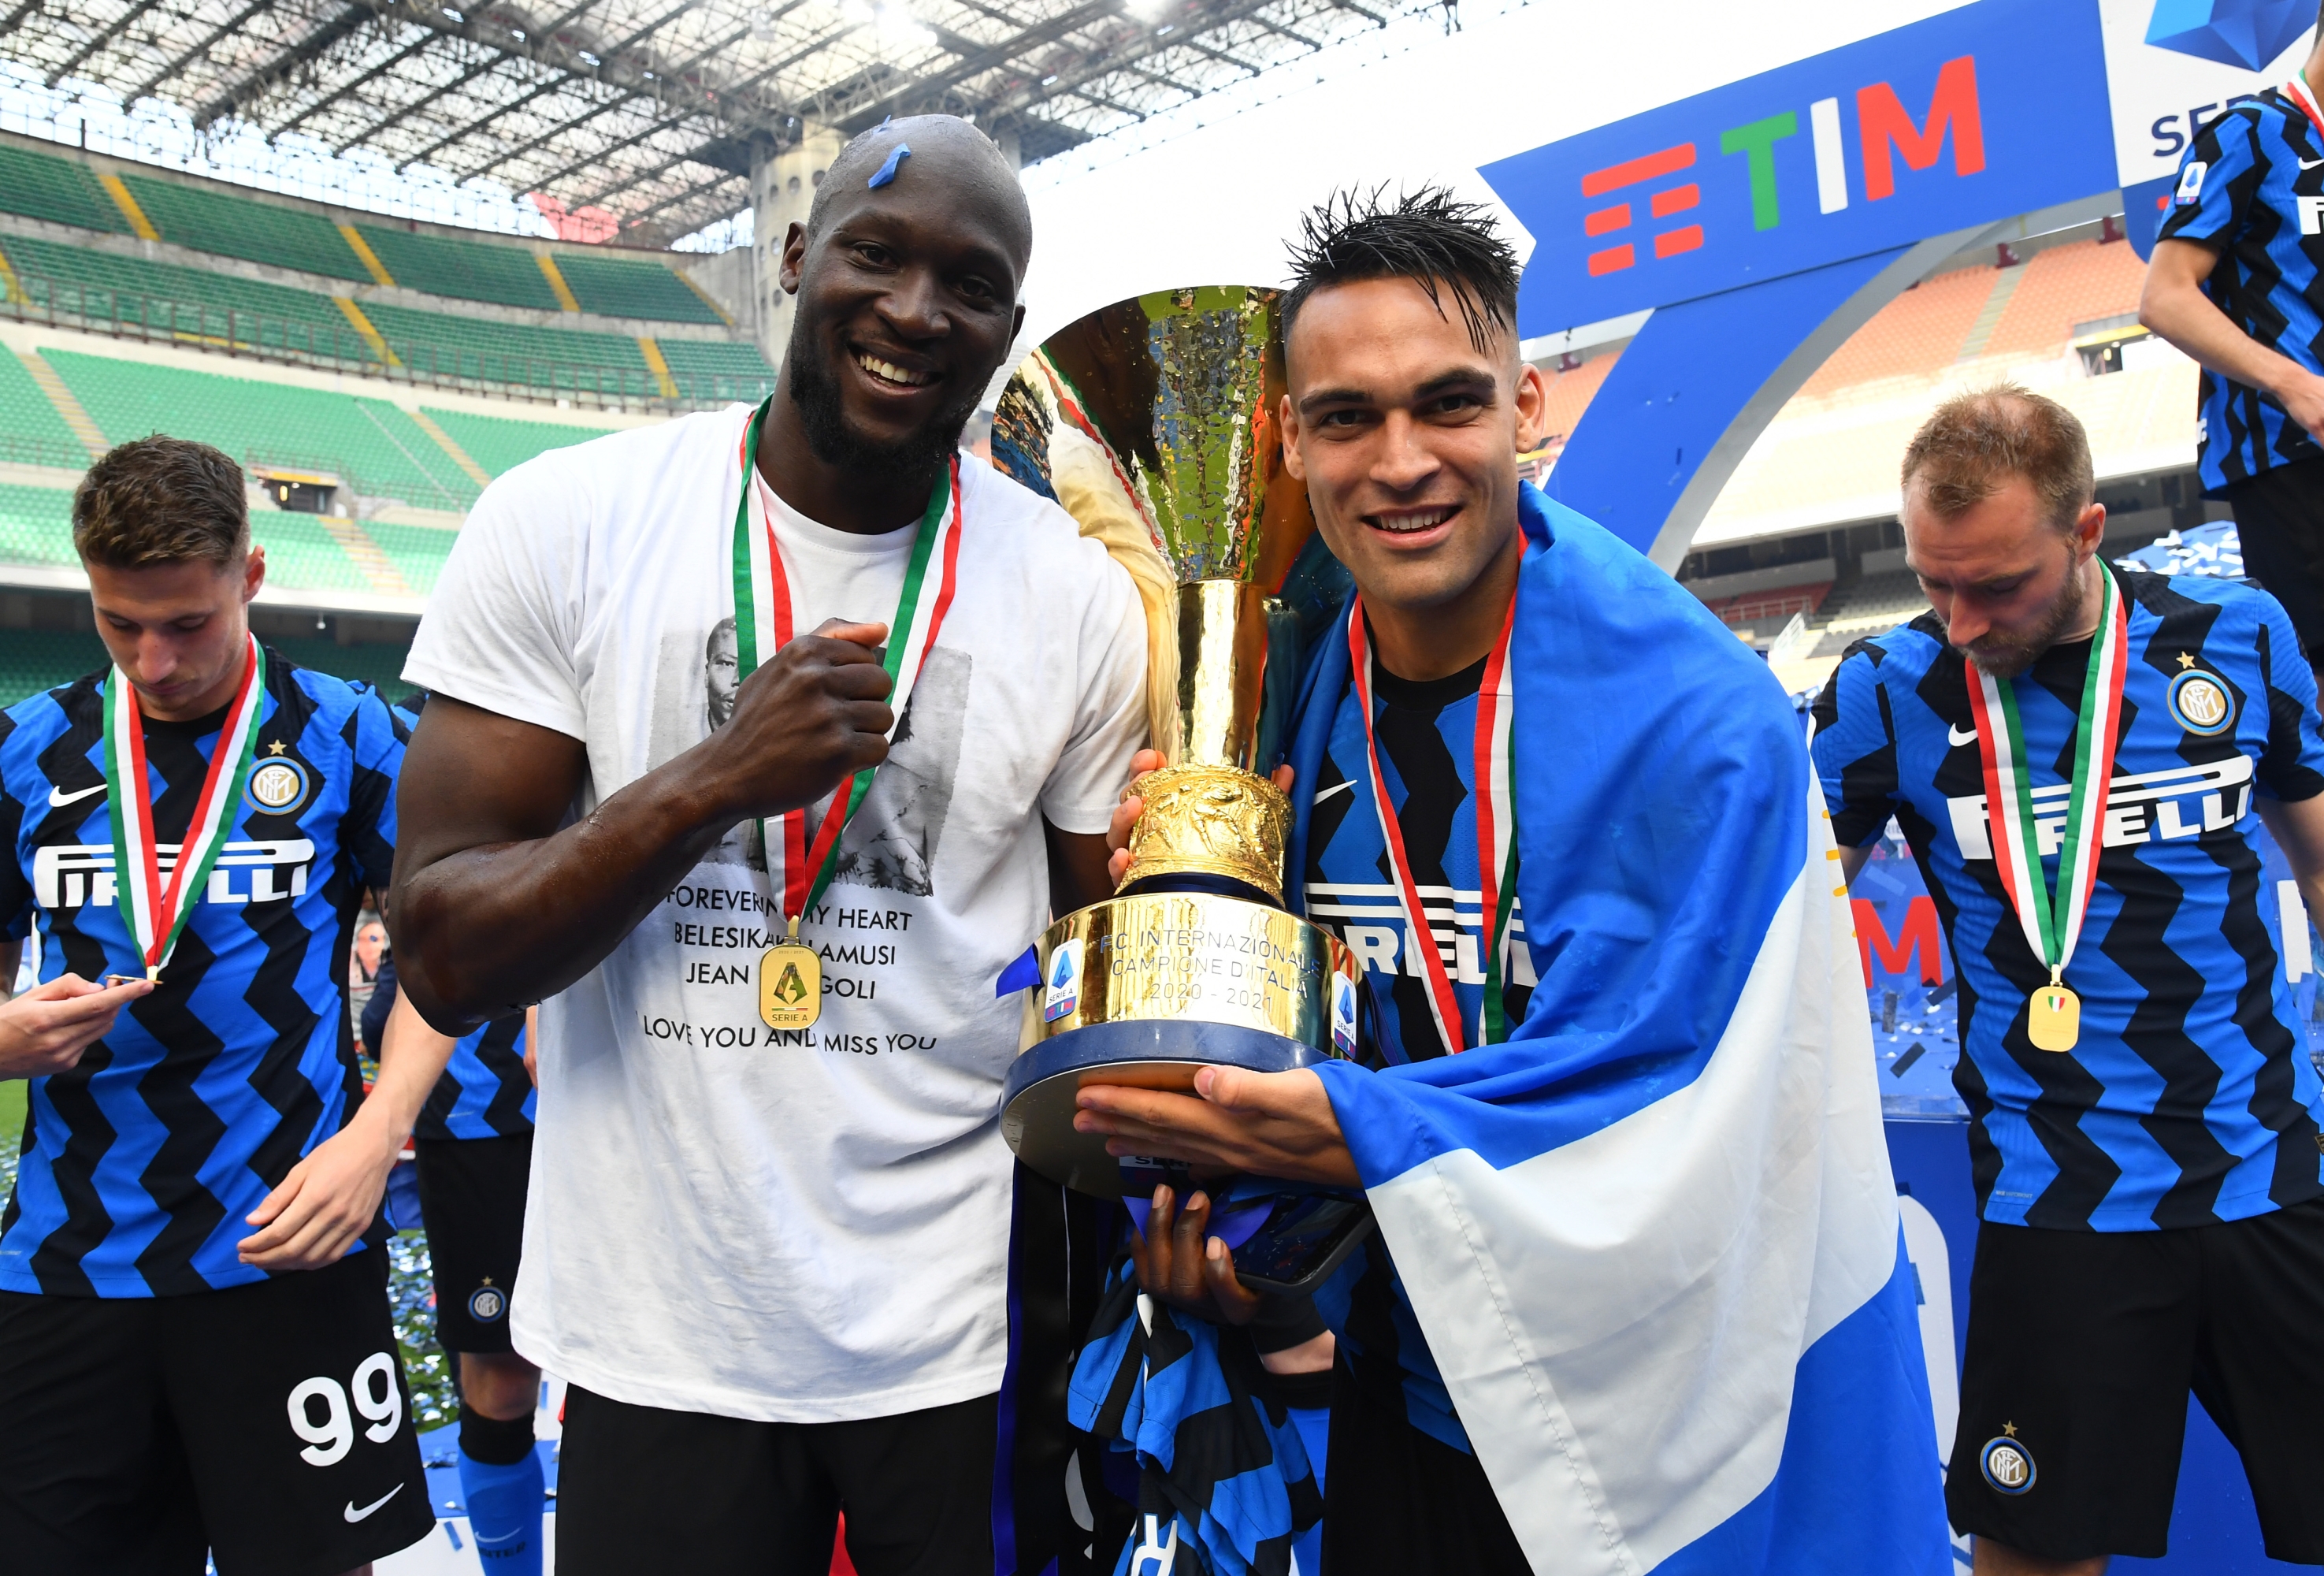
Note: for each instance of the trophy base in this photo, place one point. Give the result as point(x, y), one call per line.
point(1037, 1095)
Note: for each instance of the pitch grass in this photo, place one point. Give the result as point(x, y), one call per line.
point(411, 1292)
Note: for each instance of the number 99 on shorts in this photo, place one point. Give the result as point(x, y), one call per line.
point(320, 1415)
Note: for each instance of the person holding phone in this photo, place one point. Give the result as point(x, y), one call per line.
point(195, 1350)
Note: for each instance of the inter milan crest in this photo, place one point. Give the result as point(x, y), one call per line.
point(487, 1302)
point(2006, 1463)
point(2201, 703)
point(277, 784)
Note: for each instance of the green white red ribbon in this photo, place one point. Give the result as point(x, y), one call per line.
point(155, 902)
point(2297, 90)
point(764, 622)
point(2053, 924)
point(1495, 806)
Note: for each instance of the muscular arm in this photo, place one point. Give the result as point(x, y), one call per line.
point(2297, 829)
point(495, 906)
point(1077, 873)
point(2174, 306)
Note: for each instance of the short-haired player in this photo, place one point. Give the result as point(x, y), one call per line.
point(2079, 758)
point(196, 1353)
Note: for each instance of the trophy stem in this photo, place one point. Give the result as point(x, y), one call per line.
point(1209, 820)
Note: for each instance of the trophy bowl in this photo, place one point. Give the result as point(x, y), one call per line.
point(1153, 421)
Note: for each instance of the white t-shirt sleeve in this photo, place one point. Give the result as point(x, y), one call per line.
point(1109, 714)
point(502, 627)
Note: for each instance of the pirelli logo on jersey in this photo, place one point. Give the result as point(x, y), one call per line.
point(70, 874)
point(1369, 918)
point(2141, 807)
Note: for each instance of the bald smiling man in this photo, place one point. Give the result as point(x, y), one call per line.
point(761, 740)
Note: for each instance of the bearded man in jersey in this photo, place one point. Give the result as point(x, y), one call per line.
point(1639, 1299)
point(196, 1352)
point(765, 1237)
point(2074, 755)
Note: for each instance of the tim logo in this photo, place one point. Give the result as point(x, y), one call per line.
point(1667, 183)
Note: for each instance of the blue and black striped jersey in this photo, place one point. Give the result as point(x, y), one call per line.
point(140, 1165)
point(484, 1092)
point(2252, 187)
point(2190, 1097)
point(1427, 733)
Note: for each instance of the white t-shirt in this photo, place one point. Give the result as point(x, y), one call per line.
point(784, 1232)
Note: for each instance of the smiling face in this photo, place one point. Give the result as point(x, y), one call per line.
point(907, 296)
point(1408, 437)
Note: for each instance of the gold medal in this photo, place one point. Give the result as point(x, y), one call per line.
point(2053, 1018)
point(790, 984)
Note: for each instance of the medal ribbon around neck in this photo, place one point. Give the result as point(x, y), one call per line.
point(1494, 803)
point(2051, 925)
point(2299, 92)
point(764, 624)
point(155, 909)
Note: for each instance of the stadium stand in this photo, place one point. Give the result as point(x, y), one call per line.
point(33, 660)
point(715, 371)
point(42, 187)
point(234, 226)
point(1919, 332)
point(370, 445)
point(301, 555)
point(2073, 284)
point(620, 287)
point(36, 526)
point(1570, 393)
point(31, 432)
point(445, 348)
point(468, 270)
point(417, 551)
point(498, 444)
point(169, 301)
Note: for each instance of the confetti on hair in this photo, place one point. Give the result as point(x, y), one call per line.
point(887, 171)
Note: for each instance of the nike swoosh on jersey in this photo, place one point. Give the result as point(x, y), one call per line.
point(352, 1514)
point(57, 800)
point(1956, 738)
point(2310, 163)
point(1324, 793)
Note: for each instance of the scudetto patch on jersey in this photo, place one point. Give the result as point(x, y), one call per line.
point(2201, 703)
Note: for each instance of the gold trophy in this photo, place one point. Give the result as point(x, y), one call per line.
point(1154, 422)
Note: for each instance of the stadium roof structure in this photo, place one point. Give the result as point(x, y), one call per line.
point(653, 111)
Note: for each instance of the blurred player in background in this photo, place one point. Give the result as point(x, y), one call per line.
point(2237, 282)
point(196, 1352)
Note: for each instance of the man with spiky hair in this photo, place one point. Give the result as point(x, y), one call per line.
point(196, 1353)
point(766, 1234)
point(1639, 1299)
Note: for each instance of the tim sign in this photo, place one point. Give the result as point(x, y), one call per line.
point(1959, 120)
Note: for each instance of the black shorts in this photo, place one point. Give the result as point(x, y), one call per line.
point(2082, 1346)
point(1399, 1502)
point(764, 1497)
point(268, 1422)
point(472, 1201)
point(2279, 521)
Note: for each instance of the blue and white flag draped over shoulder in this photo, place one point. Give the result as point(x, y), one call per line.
point(1223, 1481)
point(1653, 1238)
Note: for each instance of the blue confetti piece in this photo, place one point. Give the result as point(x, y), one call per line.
point(1020, 975)
point(887, 171)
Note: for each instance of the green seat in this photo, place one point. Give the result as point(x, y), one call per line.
point(622, 287)
point(178, 302)
point(470, 270)
point(238, 226)
point(475, 350)
point(500, 444)
point(712, 371)
point(31, 431)
point(61, 191)
point(418, 552)
point(33, 661)
point(373, 447)
point(36, 526)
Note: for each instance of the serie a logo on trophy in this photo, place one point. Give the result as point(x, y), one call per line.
point(1153, 421)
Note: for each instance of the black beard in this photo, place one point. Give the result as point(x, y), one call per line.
point(814, 388)
point(2006, 657)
